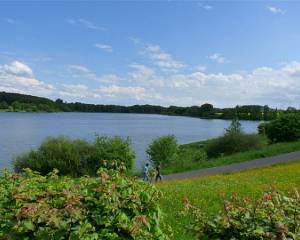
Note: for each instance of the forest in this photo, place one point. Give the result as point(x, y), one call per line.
point(15, 102)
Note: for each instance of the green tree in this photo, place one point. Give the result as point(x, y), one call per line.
point(4, 105)
point(163, 149)
point(113, 148)
point(207, 107)
point(284, 129)
point(17, 106)
point(234, 127)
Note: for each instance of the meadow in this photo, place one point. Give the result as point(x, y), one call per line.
point(207, 192)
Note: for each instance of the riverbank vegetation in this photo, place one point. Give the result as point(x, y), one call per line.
point(283, 129)
point(77, 157)
point(25, 103)
point(236, 146)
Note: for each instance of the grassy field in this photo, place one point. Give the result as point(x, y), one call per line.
point(205, 192)
point(192, 156)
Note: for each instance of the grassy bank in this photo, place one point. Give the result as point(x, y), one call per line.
point(205, 192)
point(190, 156)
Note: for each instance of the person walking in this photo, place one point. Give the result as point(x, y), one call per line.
point(146, 172)
point(158, 173)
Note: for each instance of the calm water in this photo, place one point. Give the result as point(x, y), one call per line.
point(20, 132)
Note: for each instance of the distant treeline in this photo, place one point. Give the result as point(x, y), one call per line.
point(27, 103)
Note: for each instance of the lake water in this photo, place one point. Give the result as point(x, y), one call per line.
point(20, 132)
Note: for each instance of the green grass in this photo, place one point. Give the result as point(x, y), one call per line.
point(205, 192)
point(190, 156)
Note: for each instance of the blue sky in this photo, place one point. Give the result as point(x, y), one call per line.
point(155, 52)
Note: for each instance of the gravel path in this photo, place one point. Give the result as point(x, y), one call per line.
point(235, 167)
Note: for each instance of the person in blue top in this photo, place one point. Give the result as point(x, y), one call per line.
point(146, 172)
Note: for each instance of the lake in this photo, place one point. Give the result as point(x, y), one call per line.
point(20, 132)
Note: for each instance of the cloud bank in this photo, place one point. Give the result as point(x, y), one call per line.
point(143, 84)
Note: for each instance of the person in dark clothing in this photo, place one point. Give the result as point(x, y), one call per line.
point(158, 173)
point(146, 172)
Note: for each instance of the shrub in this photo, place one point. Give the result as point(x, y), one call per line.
point(191, 154)
point(234, 127)
point(163, 150)
point(232, 143)
point(76, 157)
point(274, 216)
point(107, 207)
point(114, 148)
point(284, 129)
point(262, 128)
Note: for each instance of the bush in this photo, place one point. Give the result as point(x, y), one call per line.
point(107, 207)
point(232, 143)
point(76, 157)
point(262, 128)
point(114, 148)
point(163, 150)
point(274, 216)
point(234, 127)
point(284, 129)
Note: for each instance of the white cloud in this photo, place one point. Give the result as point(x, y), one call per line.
point(108, 93)
point(75, 91)
point(217, 57)
point(113, 90)
point(141, 72)
point(83, 72)
point(145, 75)
point(79, 68)
point(19, 77)
point(205, 6)
point(276, 10)
point(109, 78)
point(104, 47)
point(162, 59)
point(201, 68)
point(135, 40)
point(17, 68)
point(85, 23)
point(263, 85)
point(275, 86)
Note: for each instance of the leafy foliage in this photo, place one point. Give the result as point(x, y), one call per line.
point(76, 157)
point(114, 148)
point(234, 127)
point(107, 207)
point(262, 128)
point(163, 150)
point(233, 142)
point(4, 105)
point(274, 216)
point(283, 129)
